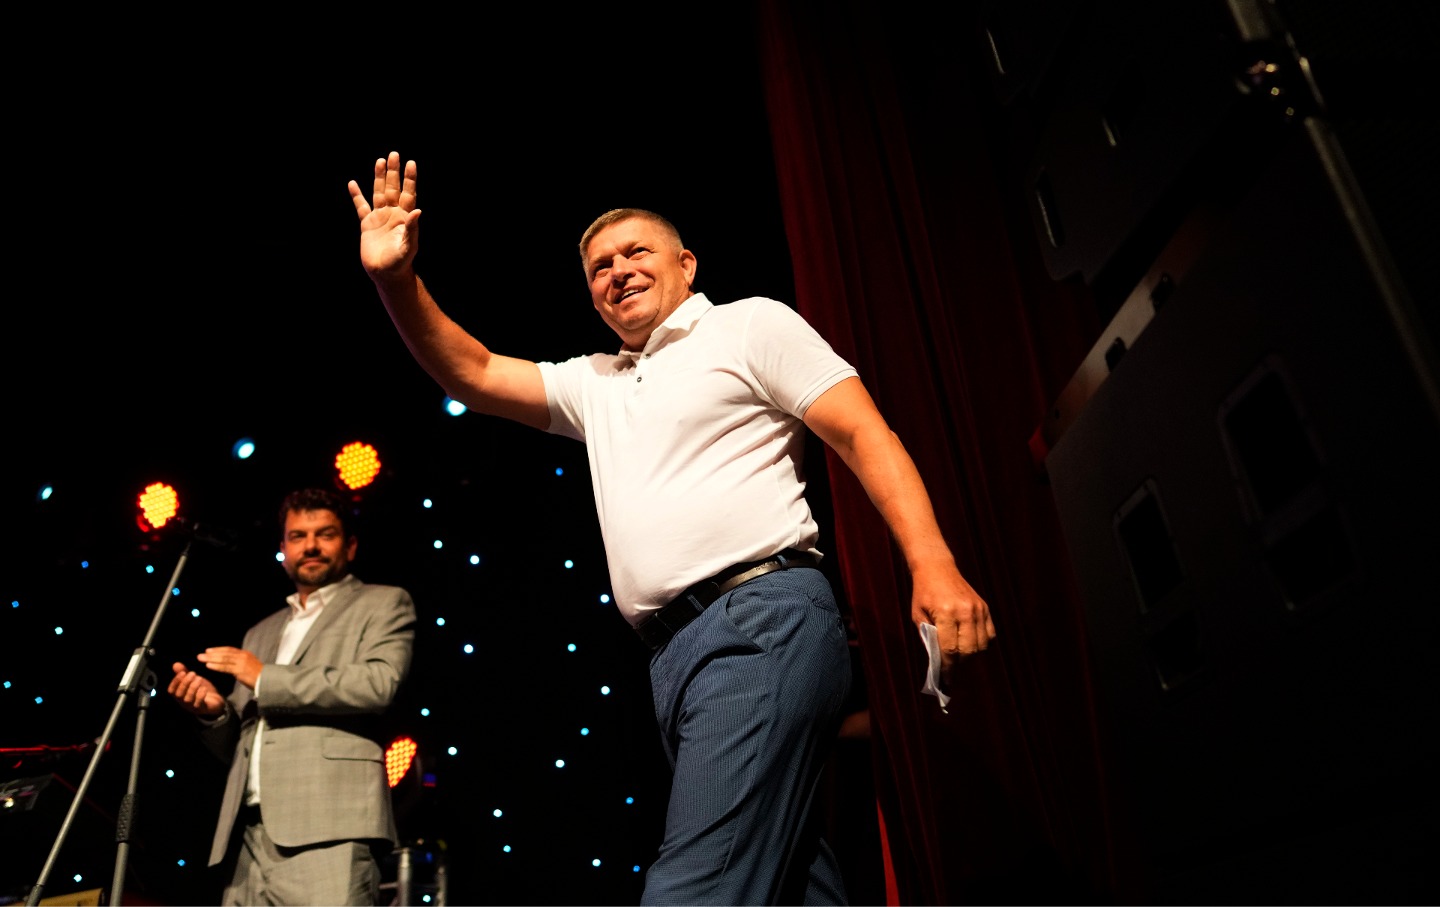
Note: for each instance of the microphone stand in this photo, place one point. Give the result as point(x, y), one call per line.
point(138, 681)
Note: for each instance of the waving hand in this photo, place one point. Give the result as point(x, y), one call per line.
point(389, 221)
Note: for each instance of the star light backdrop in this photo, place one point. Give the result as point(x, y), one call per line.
point(528, 703)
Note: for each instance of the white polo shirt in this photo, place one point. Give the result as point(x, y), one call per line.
point(696, 443)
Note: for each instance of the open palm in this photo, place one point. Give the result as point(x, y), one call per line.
point(389, 221)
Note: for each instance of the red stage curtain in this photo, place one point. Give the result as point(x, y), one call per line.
point(912, 259)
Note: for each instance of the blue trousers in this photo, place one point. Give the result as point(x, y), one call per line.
point(749, 697)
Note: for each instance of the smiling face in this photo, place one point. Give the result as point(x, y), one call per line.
point(639, 273)
point(317, 551)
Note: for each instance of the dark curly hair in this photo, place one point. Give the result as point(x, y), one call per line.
point(317, 499)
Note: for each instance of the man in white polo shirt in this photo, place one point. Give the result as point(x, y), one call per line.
point(695, 432)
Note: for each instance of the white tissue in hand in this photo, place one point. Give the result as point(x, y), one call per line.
point(931, 637)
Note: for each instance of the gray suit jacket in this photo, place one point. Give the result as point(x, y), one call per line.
point(322, 775)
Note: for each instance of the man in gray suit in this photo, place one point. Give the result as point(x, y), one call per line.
point(307, 806)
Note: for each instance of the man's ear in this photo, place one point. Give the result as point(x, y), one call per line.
point(689, 265)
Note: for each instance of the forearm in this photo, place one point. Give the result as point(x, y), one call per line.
point(219, 734)
point(893, 483)
point(464, 367)
point(365, 680)
point(940, 595)
point(447, 352)
point(352, 689)
point(846, 419)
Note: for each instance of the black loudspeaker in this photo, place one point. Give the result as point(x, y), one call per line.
point(1247, 472)
point(1019, 42)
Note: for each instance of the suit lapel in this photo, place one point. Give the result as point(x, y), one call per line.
point(329, 615)
point(267, 636)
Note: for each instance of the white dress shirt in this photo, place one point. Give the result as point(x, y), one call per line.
point(302, 618)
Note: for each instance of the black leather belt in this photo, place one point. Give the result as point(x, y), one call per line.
point(661, 626)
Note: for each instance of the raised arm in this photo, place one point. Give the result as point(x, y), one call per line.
point(463, 366)
point(846, 418)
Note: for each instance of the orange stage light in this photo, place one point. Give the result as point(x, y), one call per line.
point(398, 758)
point(357, 464)
point(159, 504)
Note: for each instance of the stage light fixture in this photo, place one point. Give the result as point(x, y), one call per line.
point(159, 504)
point(398, 758)
point(357, 465)
point(404, 770)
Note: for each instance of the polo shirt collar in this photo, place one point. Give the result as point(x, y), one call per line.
point(680, 322)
